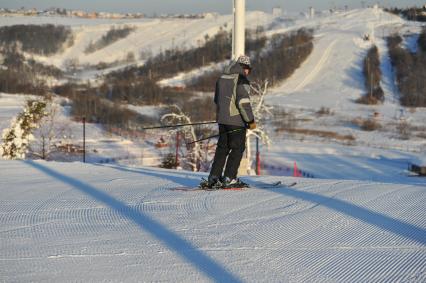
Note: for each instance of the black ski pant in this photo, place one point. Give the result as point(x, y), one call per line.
point(231, 145)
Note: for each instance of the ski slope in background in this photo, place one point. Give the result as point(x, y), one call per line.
point(332, 78)
point(80, 222)
point(332, 75)
point(150, 35)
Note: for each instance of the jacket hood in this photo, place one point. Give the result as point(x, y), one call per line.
point(234, 68)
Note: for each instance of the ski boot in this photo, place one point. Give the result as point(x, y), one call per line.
point(211, 184)
point(234, 183)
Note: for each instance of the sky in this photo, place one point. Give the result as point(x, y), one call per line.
point(150, 7)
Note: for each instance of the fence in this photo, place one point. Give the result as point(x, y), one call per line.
point(285, 170)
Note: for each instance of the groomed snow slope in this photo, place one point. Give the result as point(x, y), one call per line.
point(80, 222)
point(332, 75)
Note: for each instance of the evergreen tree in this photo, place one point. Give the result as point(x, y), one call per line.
point(17, 138)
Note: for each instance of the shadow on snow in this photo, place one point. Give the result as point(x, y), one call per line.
point(173, 241)
point(379, 220)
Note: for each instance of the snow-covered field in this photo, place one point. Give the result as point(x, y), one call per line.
point(332, 161)
point(79, 222)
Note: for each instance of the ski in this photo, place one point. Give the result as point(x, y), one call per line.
point(277, 184)
point(194, 189)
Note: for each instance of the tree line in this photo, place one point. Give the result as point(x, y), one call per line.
point(411, 14)
point(373, 76)
point(410, 69)
point(138, 85)
point(170, 62)
point(45, 39)
point(113, 35)
point(86, 101)
point(275, 63)
point(286, 53)
point(21, 75)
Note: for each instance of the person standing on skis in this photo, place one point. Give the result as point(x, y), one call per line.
point(234, 116)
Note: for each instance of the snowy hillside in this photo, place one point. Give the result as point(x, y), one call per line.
point(151, 35)
point(79, 222)
point(332, 75)
point(331, 78)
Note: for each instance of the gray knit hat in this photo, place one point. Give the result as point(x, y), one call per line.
point(244, 60)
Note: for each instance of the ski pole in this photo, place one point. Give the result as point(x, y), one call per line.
point(218, 135)
point(179, 125)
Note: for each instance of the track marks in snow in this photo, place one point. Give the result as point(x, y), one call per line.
point(274, 234)
point(311, 68)
point(323, 240)
point(318, 67)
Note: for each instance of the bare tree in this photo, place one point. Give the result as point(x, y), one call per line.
point(194, 155)
point(261, 112)
point(46, 133)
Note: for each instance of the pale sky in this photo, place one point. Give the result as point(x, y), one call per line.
point(196, 6)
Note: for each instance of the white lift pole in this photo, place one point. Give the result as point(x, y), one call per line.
point(239, 30)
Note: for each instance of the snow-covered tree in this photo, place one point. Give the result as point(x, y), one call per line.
point(17, 138)
point(261, 112)
point(50, 128)
point(194, 155)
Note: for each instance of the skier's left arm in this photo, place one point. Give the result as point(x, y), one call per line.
point(244, 104)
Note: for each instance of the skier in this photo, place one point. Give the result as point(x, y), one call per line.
point(234, 116)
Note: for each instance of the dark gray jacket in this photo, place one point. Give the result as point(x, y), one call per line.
point(232, 97)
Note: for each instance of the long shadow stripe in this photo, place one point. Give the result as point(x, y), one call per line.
point(182, 247)
point(382, 221)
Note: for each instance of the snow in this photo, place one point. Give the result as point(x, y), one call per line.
point(101, 146)
point(332, 161)
point(81, 222)
point(153, 35)
point(148, 110)
point(332, 75)
point(182, 79)
point(10, 106)
point(333, 69)
point(332, 78)
point(362, 219)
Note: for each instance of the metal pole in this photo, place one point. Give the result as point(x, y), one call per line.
point(238, 34)
point(84, 139)
point(179, 125)
point(43, 138)
point(257, 157)
point(177, 149)
point(215, 136)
